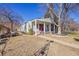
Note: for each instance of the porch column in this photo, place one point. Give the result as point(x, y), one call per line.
point(32, 25)
point(38, 27)
point(44, 27)
point(25, 27)
point(50, 28)
point(54, 28)
point(35, 27)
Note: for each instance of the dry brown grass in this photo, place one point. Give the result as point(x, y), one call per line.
point(27, 45)
point(24, 45)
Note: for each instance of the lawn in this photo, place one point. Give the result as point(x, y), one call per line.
point(23, 45)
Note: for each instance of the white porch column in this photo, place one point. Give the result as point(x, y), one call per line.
point(50, 28)
point(44, 27)
point(35, 27)
point(38, 27)
point(32, 25)
point(54, 28)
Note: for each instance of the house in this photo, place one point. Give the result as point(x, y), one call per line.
point(48, 24)
point(40, 26)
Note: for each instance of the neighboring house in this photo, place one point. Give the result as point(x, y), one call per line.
point(39, 26)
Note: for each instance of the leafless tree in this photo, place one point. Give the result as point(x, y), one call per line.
point(54, 15)
point(67, 8)
point(11, 16)
point(62, 14)
point(14, 19)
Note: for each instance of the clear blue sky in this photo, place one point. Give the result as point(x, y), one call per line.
point(27, 11)
point(31, 11)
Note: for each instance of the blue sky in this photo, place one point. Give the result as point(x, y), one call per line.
point(31, 11)
point(27, 11)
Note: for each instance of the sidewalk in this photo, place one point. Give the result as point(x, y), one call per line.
point(57, 49)
point(70, 42)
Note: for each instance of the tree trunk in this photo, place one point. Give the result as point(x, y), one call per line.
point(11, 21)
point(59, 19)
point(11, 26)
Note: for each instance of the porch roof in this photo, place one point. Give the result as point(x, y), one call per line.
point(43, 20)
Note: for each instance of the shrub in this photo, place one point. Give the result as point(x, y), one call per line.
point(30, 32)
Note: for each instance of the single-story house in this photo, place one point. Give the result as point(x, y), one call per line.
point(40, 26)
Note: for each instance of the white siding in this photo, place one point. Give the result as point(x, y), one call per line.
point(22, 28)
point(29, 26)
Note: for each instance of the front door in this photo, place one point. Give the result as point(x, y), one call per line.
point(41, 27)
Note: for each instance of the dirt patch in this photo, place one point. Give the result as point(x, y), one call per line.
point(23, 45)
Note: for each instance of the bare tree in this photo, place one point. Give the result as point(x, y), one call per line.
point(68, 7)
point(54, 16)
point(62, 14)
point(11, 16)
point(14, 19)
point(59, 18)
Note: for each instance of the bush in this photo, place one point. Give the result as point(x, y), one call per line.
point(30, 32)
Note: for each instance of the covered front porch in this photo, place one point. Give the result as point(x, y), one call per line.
point(43, 27)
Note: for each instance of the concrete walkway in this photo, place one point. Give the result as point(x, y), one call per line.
point(69, 44)
point(57, 49)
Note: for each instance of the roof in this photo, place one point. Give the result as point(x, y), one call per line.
point(43, 20)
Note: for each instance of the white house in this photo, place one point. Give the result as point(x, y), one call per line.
point(39, 26)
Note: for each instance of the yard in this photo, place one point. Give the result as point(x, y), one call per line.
point(28, 45)
point(23, 45)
